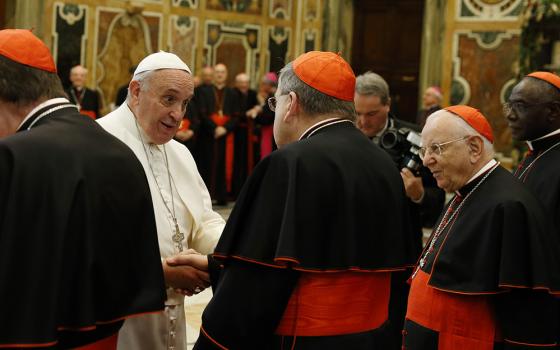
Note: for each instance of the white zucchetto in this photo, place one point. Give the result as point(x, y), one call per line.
point(161, 60)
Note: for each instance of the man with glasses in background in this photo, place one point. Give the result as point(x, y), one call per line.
point(533, 115)
point(487, 276)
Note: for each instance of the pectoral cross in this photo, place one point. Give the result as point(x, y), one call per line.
point(178, 238)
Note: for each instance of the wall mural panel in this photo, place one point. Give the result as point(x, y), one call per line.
point(182, 37)
point(110, 36)
point(312, 10)
point(225, 41)
point(278, 44)
point(244, 6)
point(483, 73)
point(185, 3)
point(309, 40)
point(497, 10)
point(480, 59)
point(123, 40)
point(281, 9)
point(69, 38)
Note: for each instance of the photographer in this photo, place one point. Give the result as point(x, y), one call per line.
point(401, 141)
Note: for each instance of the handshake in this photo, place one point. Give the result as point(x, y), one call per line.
point(187, 272)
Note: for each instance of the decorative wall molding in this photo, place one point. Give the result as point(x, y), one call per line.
point(182, 38)
point(488, 10)
point(490, 40)
point(194, 29)
point(278, 48)
point(280, 9)
point(244, 37)
point(460, 88)
point(70, 26)
point(193, 4)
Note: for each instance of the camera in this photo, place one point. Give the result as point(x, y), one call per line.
point(402, 144)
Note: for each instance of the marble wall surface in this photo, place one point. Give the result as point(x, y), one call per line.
point(110, 36)
point(480, 57)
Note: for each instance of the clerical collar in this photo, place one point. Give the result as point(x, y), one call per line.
point(42, 110)
point(544, 141)
point(463, 191)
point(322, 124)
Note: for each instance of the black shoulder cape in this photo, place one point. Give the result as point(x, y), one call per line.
point(501, 239)
point(333, 201)
point(78, 242)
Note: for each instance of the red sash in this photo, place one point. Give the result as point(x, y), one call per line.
point(463, 321)
point(267, 137)
point(109, 343)
point(185, 124)
point(324, 304)
point(87, 113)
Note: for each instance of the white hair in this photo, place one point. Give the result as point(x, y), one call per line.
point(465, 129)
point(143, 78)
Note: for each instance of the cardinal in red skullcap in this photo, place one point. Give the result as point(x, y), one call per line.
point(79, 252)
point(489, 273)
point(306, 258)
point(533, 115)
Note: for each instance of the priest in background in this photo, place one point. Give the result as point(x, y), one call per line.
point(214, 107)
point(86, 99)
point(245, 139)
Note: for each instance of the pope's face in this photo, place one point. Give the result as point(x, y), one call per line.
point(160, 103)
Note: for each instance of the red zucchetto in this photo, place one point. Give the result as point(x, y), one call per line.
point(474, 118)
point(550, 78)
point(326, 72)
point(20, 45)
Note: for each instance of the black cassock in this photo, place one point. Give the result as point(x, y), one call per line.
point(78, 243)
point(331, 202)
point(498, 247)
point(245, 147)
point(542, 177)
point(215, 164)
point(87, 99)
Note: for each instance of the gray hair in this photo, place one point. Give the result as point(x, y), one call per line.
point(373, 84)
point(143, 78)
point(313, 102)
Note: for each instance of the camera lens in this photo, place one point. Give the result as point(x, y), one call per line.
point(389, 139)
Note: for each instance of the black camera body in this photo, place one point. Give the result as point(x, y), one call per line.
point(402, 144)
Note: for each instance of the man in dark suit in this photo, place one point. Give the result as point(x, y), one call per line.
point(425, 200)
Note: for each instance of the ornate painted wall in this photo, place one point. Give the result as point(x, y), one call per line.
point(480, 57)
point(110, 36)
